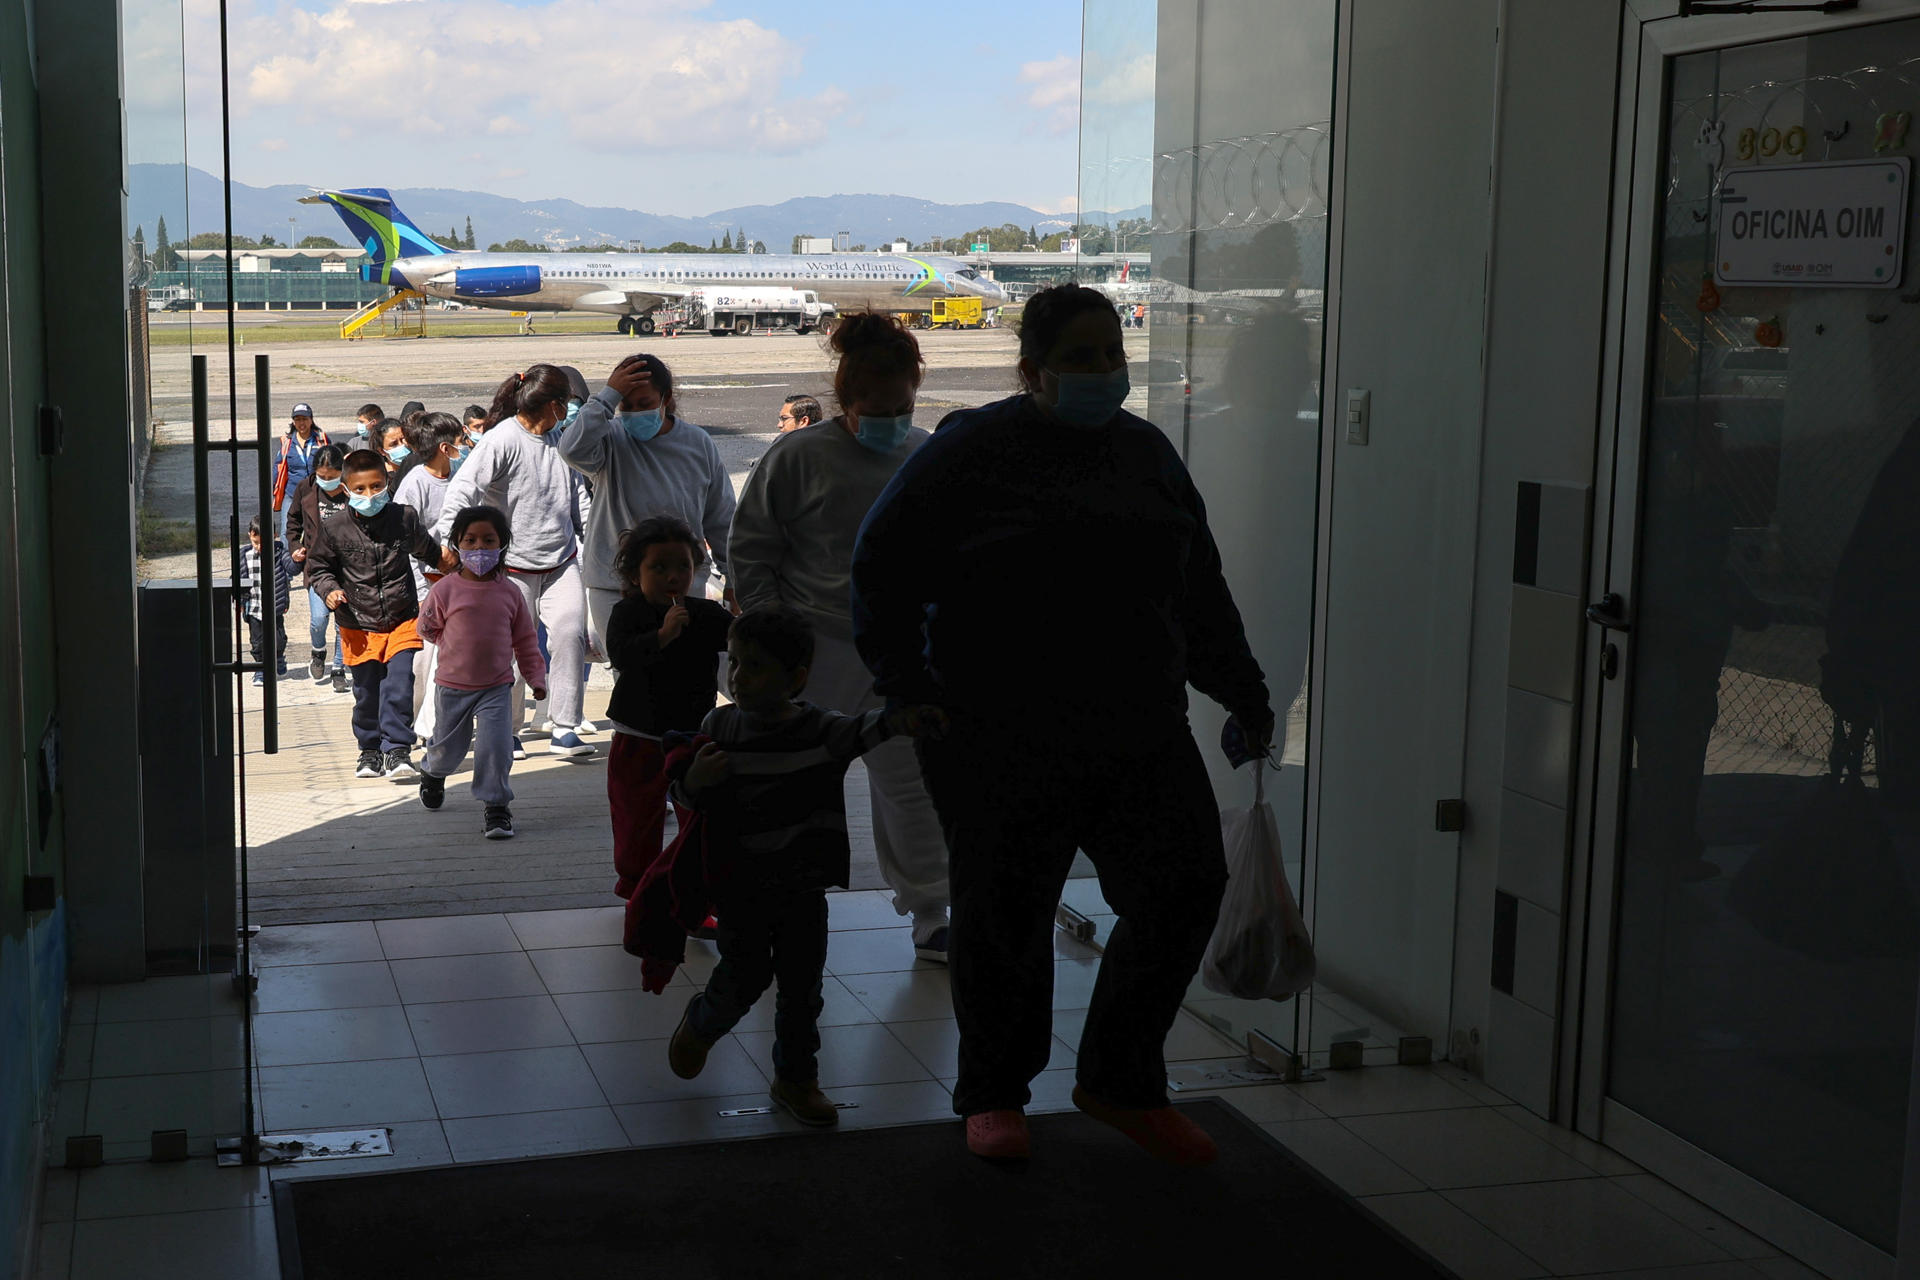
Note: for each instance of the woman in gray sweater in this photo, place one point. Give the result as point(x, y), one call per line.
point(643, 460)
point(792, 544)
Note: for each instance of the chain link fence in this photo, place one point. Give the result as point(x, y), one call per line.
point(1797, 398)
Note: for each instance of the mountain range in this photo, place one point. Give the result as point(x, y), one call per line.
point(191, 202)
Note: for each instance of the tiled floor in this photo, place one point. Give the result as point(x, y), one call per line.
point(495, 1036)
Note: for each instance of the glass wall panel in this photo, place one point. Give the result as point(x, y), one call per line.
point(1210, 122)
point(1767, 944)
point(162, 329)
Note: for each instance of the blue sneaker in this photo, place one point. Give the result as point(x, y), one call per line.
point(519, 752)
point(567, 743)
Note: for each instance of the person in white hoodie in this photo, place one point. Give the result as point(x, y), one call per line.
point(792, 545)
point(516, 467)
point(644, 460)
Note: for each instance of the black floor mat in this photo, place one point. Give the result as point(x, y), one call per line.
point(905, 1202)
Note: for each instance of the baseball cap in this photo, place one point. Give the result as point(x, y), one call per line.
point(303, 410)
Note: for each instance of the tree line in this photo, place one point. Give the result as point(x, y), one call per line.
point(1008, 237)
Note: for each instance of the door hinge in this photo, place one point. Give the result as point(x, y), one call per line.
point(39, 893)
point(53, 431)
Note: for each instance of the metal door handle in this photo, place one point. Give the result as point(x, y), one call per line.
point(1610, 611)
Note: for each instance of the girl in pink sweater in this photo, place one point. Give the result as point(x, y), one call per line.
point(481, 623)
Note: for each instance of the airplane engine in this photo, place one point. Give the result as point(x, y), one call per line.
point(495, 282)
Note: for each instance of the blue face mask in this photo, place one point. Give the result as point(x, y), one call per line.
point(884, 435)
point(459, 458)
point(644, 425)
point(566, 420)
point(368, 504)
point(399, 453)
point(1090, 399)
point(330, 486)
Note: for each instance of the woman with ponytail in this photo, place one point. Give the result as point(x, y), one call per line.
point(516, 468)
point(792, 545)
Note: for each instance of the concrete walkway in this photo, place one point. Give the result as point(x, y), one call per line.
point(328, 846)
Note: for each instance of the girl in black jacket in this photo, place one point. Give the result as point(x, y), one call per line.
point(666, 645)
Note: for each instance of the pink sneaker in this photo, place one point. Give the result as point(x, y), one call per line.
point(1162, 1131)
point(997, 1135)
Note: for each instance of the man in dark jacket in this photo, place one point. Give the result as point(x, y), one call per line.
point(1069, 729)
point(359, 567)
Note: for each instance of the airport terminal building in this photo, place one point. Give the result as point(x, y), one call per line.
point(1549, 378)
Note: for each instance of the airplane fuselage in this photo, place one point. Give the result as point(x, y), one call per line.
point(635, 284)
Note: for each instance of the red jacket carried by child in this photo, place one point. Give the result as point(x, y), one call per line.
point(674, 896)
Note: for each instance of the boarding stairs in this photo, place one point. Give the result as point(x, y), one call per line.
point(354, 326)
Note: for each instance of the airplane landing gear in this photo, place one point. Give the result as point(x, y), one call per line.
point(644, 325)
point(625, 326)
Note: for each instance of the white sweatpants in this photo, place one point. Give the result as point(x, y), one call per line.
point(906, 831)
point(600, 602)
point(560, 601)
point(426, 707)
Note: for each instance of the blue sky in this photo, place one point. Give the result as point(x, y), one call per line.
point(671, 106)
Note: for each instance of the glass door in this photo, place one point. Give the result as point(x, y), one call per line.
point(1758, 784)
point(1201, 150)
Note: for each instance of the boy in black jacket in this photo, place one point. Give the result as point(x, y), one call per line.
point(359, 567)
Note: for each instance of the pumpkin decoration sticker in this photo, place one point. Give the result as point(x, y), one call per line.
point(1768, 333)
point(1890, 131)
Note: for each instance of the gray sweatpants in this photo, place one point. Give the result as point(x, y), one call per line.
point(481, 717)
point(559, 600)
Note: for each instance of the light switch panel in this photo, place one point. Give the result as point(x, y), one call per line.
point(1359, 416)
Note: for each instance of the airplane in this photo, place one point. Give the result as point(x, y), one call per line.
point(632, 286)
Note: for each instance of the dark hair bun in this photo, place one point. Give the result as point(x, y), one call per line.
point(869, 346)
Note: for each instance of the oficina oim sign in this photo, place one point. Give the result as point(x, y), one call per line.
point(1837, 223)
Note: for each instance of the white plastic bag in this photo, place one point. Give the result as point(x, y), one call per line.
point(1261, 949)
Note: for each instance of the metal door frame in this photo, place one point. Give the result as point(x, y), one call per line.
point(1653, 34)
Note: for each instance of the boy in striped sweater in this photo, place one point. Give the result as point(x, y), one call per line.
point(770, 787)
point(264, 579)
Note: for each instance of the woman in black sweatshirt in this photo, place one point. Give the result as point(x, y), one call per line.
point(1069, 726)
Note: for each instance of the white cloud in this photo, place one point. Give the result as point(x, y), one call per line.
point(1122, 84)
point(616, 77)
point(650, 104)
point(1053, 89)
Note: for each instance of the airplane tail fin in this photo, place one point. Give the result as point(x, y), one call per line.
point(378, 226)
